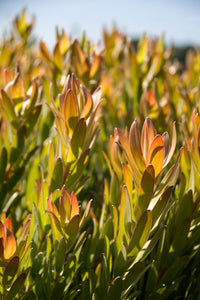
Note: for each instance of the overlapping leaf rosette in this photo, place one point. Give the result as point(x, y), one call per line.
point(141, 209)
point(14, 256)
point(66, 221)
point(77, 124)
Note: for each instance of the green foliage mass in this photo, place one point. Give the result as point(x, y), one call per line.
point(99, 168)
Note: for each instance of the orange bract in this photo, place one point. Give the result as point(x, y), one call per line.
point(151, 149)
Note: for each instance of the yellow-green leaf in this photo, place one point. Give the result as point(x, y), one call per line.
point(140, 234)
point(70, 112)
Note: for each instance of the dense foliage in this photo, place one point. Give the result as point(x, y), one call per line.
point(118, 125)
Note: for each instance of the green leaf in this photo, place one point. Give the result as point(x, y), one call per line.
point(115, 190)
point(77, 170)
point(115, 289)
point(160, 206)
point(125, 218)
point(175, 270)
point(10, 270)
point(140, 234)
point(181, 236)
point(32, 118)
point(3, 163)
point(185, 208)
point(10, 110)
point(56, 181)
point(72, 230)
point(60, 255)
point(77, 141)
point(70, 112)
point(17, 286)
point(18, 93)
point(145, 191)
point(133, 275)
point(153, 242)
point(57, 57)
point(121, 262)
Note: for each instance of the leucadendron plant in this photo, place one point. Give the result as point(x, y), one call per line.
point(139, 238)
point(14, 257)
point(66, 222)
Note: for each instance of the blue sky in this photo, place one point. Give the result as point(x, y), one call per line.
point(179, 20)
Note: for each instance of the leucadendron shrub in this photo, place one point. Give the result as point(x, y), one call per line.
point(99, 199)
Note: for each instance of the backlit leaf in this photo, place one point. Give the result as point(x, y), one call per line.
point(10, 244)
point(18, 93)
point(135, 145)
point(88, 103)
point(77, 141)
point(70, 111)
point(156, 154)
point(140, 234)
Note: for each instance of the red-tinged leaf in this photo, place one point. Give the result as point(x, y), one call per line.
point(1, 248)
point(166, 141)
point(86, 212)
point(24, 230)
point(145, 191)
point(25, 250)
point(156, 154)
point(64, 207)
point(64, 43)
point(88, 106)
point(115, 154)
point(17, 286)
point(88, 103)
point(45, 51)
point(61, 103)
point(140, 234)
point(125, 145)
point(170, 178)
point(57, 57)
point(135, 146)
point(11, 269)
point(2, 233)
point(18, 93)
point(173, 147)
point(195, 156)
point(97, 97)
point(67, 85)
point(55, 226)
point(72, 230)
point(95, 65)
point(74, 206)
point(8, 224)
point(70, 112)
point(80, 54)
point(9, 108)
point(10, 244)
point(148, 134)
point(34, 95)
point(77, 141)
point(52, 207)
